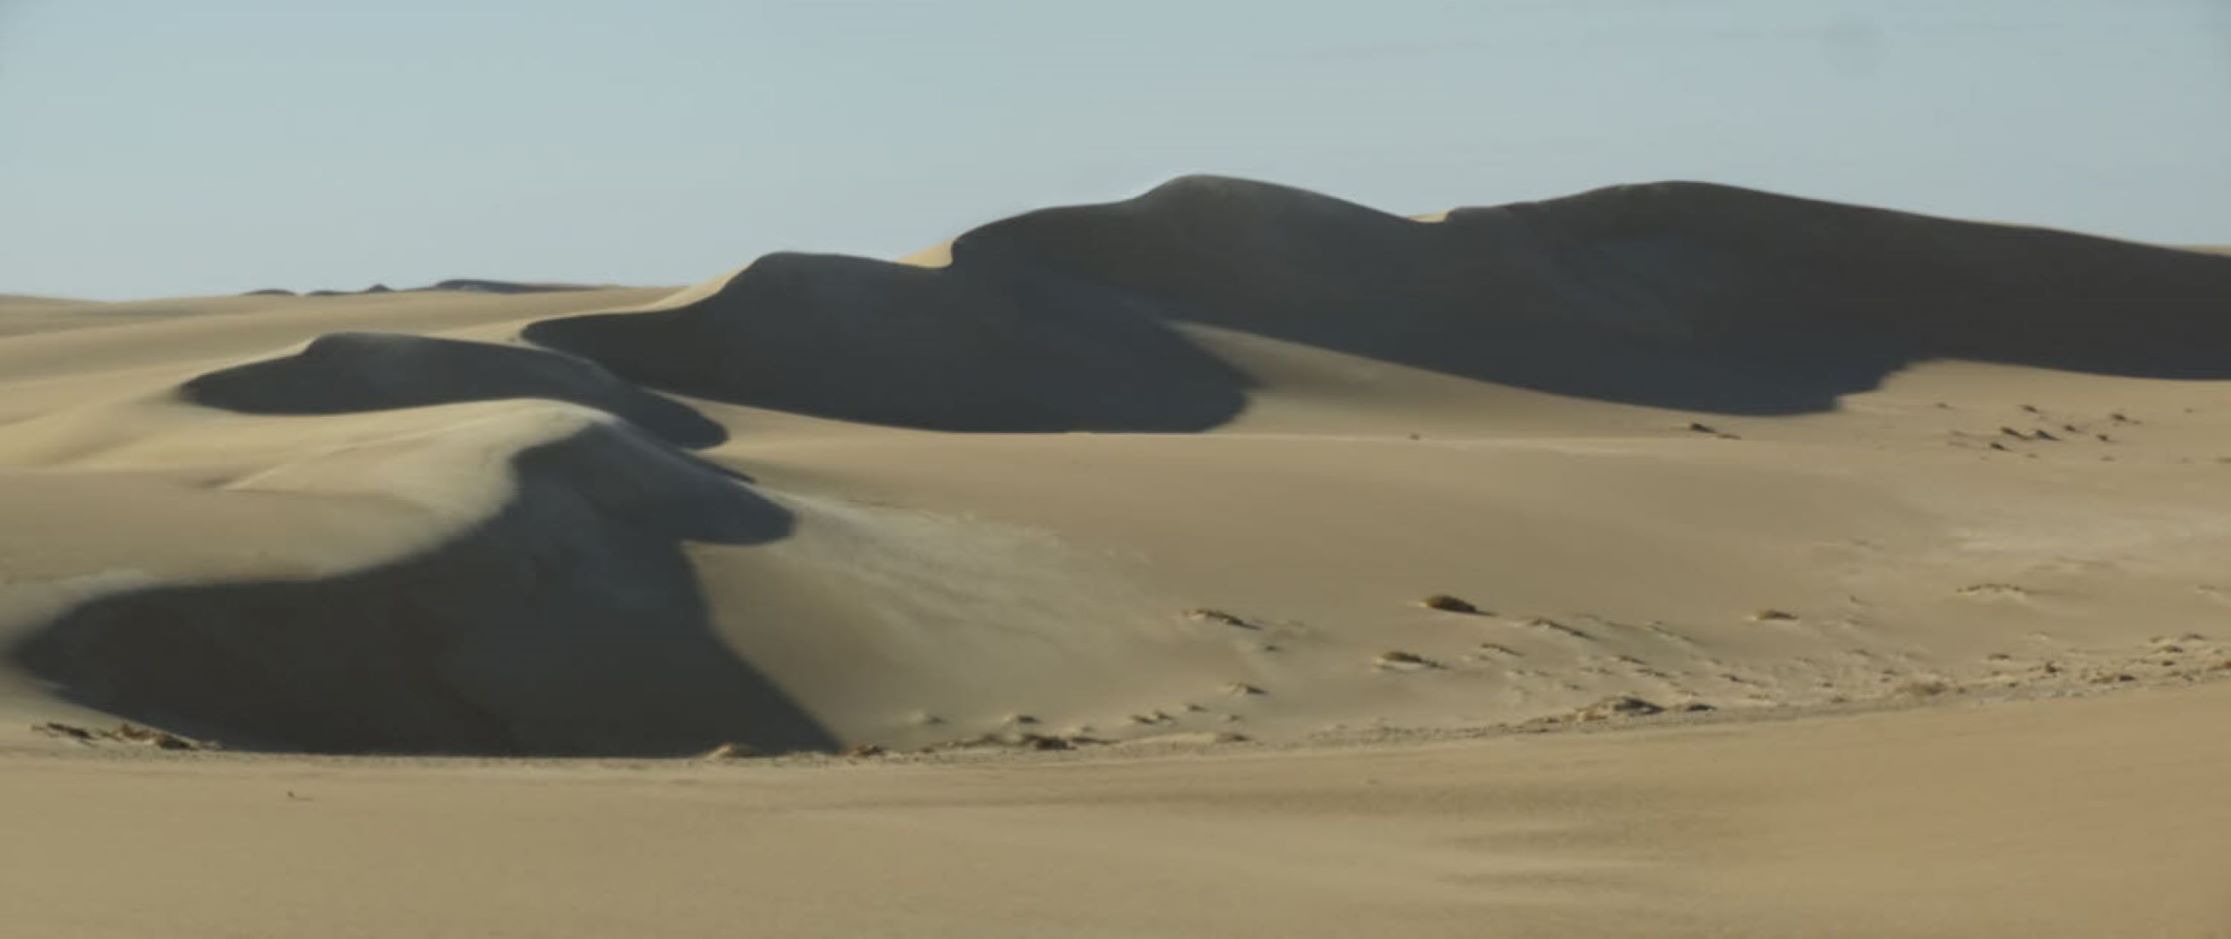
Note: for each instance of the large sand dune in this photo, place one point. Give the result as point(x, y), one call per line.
point(1699, 445)
point(1832, 496)
point(1674, 294)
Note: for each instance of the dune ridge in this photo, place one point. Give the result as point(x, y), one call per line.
point(339, 373)
point(1684, 295)
point(864, 340)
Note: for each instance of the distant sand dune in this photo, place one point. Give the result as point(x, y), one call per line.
point(1679, 295)
point(952, 349)
point(483, 285)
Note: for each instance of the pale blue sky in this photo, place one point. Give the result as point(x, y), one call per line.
point(156, 147)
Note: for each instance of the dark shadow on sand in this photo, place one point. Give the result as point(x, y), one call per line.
point(1686, 296)
point(348, 372)
point(957, 350)
point(569, 624)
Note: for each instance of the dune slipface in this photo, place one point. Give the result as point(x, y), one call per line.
point(345, 372)
point(1757, 267)
point(1681, 295)
point(955, 349)
point(567, 623)
point(1676, 294)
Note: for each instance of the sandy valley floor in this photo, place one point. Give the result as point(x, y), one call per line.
point(2100, 816)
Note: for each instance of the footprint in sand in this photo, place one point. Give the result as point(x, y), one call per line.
point(1398, 660)
point(1662, 631)
point(1550, 625)
point(2214, 592)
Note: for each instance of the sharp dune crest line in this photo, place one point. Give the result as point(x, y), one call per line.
point(1187, 466)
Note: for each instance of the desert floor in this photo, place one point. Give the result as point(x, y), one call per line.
point(2090, 817)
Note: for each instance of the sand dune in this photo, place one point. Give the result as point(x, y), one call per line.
point(345, 372)
point(568, 623)
point(1673, 294)
point(863, 340)
point(1683, 444)
point(1319, 541)
point(484, 285)
point(461, 284)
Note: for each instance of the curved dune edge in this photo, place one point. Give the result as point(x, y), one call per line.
point(566, 623)
point(350, 372)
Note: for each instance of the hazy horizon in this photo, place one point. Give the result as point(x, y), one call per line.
point(158, 149)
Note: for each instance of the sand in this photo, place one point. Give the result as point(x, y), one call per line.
point(2088, 817)
point(1840, 501)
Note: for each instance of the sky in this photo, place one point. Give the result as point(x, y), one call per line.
point(162, 148)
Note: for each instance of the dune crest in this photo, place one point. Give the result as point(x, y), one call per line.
point(347, 372)
point(943, 349)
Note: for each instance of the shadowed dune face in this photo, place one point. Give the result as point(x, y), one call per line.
point(960, 350)
point(570, 623)
point(1502, 304)
point(345, 372)
point(1762, 267)
point(1676, 295)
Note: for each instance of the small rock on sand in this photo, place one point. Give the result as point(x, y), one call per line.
point(123, 733)
point(1449, 604)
